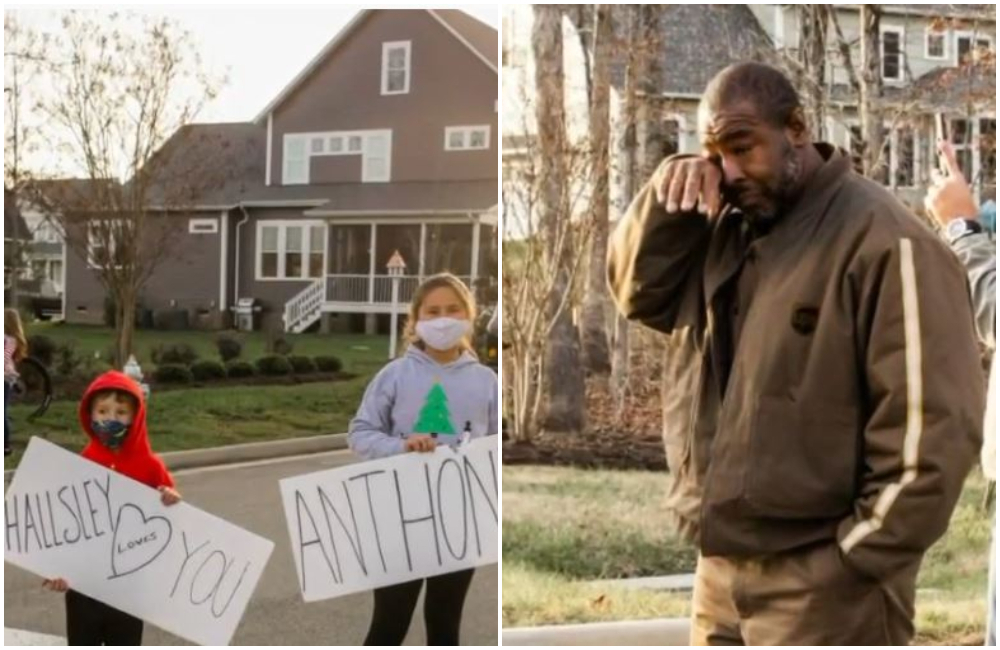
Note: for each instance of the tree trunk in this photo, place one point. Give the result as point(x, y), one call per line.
point(871, 91)
point(635, 67)
point(596, 356)
point(124, 325)
point(563, 379)
point(813, 30)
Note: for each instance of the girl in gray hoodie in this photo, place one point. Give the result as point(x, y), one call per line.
point(437, 393)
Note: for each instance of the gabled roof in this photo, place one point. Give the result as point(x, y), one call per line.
point(697, 42)
point(971, 11)
point(469, 31)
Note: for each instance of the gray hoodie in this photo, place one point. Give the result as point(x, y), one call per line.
point(404, 394)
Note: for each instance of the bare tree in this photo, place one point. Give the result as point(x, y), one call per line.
point(23, 60)
point(594, 318)
point(871, 91)
point(119, 87)
point(813, 35)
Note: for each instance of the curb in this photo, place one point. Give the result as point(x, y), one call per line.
point(246, 452)
point(681, 583)
point(659, 632)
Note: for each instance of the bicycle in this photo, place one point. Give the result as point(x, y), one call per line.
point(33, 386)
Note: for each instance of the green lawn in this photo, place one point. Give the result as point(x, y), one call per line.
point(208, 417)
point(564, 527)
point(359, 353)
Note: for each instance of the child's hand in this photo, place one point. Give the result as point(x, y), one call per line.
point(422, 444)
point(169, 496)
point(56, 584)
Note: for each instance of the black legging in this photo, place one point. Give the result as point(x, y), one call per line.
point(443, 604)
point(91, 622)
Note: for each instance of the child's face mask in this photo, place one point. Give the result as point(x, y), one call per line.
point(110, 420)
point(443, 333)
point(111, 433)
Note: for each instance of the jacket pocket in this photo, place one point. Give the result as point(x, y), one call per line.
point(803, 460)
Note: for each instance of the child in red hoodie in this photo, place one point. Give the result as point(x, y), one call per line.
point(113, 413)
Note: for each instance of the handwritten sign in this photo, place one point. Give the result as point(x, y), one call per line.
point(392, 520)
point(176, 567)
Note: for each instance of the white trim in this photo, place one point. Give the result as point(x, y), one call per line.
point(779, 26)
point(945, 35)
point(372, 263)
point(914, 404)
point(463, 40)
point(223, 262)
point(421, 268)
point(287, 141)
point(270, 137)
point(64, 287)
point(900, 31)
point(476, 231)
point(283, 225)
point(389, 221)
point(971, 35)
point(466, 132)
point(196, 226)
point(407, 46)
point(430, 212)
point(290, 203)
point(307, 138)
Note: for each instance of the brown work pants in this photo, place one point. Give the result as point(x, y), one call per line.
point(803, 597)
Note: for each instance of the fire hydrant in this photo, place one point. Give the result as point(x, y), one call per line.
point(134, 372)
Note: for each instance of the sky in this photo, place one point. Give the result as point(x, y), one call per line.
point(230, 38)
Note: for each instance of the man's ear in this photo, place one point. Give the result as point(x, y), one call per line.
point(798, 128)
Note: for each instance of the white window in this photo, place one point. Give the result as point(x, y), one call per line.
point(396, 68)
point(936, 44)
point(892, 53)
point(203, 226)
point(103, 237)
point(296, 161)
point(293, 250)
point(374, 147)
point(967, 44)
point(377, 160)
point(465, 138)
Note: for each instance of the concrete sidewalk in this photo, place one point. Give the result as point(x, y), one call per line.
point(660, 632)
point(246, 452)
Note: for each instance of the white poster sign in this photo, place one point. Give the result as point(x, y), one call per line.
point(392, 520)
point(111, 538)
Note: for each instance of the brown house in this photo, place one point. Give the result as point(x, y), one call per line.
point(387, 141)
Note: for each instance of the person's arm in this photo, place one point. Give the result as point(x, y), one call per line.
point(370, 433)
point(978, 253)
point(925, 405)
point(654, 253)
point(494, 424)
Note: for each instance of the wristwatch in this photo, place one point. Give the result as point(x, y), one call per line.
point(959, 228)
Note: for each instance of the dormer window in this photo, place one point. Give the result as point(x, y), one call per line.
point(396, 68)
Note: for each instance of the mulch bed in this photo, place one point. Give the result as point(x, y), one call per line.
point(632, 441)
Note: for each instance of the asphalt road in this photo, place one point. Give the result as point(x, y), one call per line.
point(248, 496)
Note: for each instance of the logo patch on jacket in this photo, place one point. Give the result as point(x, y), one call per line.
point(805, 319)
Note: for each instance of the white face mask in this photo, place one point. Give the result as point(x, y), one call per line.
point(443, 333)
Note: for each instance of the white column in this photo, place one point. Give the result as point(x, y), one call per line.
point(422, 268)
point(223, 260)
point(476, 228)
point(372, 266)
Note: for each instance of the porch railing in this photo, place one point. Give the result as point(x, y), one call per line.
point(373, 289)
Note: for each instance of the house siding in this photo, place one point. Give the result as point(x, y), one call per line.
point(449, 86)
point(189, 276)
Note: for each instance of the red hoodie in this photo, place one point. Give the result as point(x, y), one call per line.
point(135, 459)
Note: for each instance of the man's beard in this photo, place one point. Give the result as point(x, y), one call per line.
point(766, 202)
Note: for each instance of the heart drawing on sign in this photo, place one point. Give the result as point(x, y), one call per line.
point(137, 541)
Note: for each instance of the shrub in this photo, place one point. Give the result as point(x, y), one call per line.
point(329, 364)
point(283, 346)
point(67, 362)
point(172, 373)
point(302, 365)
point(42, 348)
point(208, 370)
point(240, 369)
point(229, 347)
point(175, 354)
point(274, 366)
